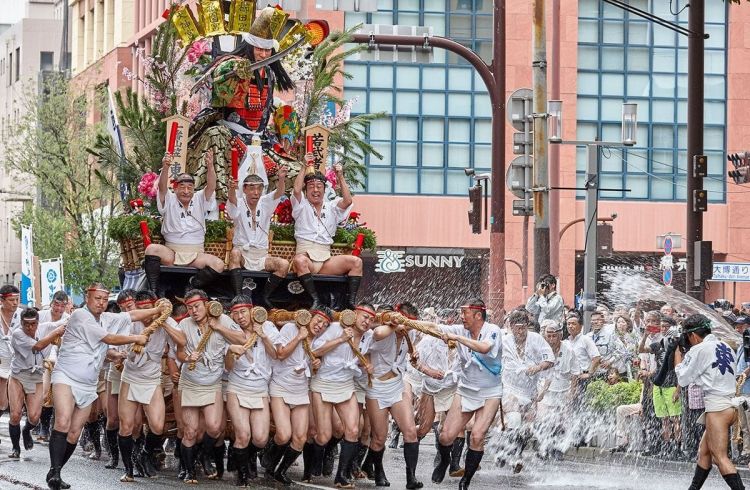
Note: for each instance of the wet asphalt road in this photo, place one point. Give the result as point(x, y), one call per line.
point(582, 470)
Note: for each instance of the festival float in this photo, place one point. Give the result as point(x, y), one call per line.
point(203, 92)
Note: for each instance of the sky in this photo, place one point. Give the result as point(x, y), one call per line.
point(11, 11)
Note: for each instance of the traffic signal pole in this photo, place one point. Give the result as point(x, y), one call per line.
point(694, 226)
point(541, 173)
point(493, 76)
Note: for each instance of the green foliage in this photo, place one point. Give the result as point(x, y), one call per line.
point(144, 136)
point(604, 397)
point(49, 143)
point(285, 233)
point(128, 226)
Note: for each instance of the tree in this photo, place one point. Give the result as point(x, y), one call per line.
point(49, 142)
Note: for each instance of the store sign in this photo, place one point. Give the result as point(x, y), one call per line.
point(731, 272)
point(390, 261)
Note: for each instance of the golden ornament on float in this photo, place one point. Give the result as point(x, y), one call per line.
point(211, 15)
point(278, 20)
point(241, 16)
point(185, 24)
point(297, 29)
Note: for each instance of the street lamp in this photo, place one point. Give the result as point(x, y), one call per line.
point(629, 128)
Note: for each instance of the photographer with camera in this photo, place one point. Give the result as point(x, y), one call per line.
point(545, 303)
point(705, 360)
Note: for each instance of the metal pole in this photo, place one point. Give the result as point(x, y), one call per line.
point(590, 254)
point(497, 221)
point(554, 150)
point(541, 177)
point(696, 18)
point(525, 256)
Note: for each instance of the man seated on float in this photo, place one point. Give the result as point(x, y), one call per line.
point(183, 227)
point(251, 212)
point(315, 222)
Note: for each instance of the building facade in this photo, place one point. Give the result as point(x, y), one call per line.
point(28, 48)
point(437, 124)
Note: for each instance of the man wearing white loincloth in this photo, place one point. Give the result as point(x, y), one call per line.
point(141, 388)
point(76, 373)
point(251, 211)
point(31, 343)
point(247, 388)
point(480, 387)
point(207, 341)
point(710, 364)
point(315, 225)
point(183, 228)
point(388, 351)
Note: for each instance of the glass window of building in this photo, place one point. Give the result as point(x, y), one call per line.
point(624, 58)
point(437, 116)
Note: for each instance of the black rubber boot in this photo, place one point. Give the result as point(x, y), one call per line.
point(352, 288)
point(317, 459)
point(438, 474)
point(152, 268)
point(45, 426)
point(472, 463)
point(114, 449)
point(411, 457)
point(204, 277)
point(456, 451)
point(252, 465)
point(235, 278)
point(329, 459)
point(367, 465)
point(125, 443)
point(290, 456)
point(15, 439)
point(187, 456)
point(348, 452)
point(271, 284)
point(377, 461)
point(139, 470)
point(57, 446)
point(240, 456)
point(356, 472)
point(734, 481)
point(95, 433)
point(307, 461)
point(28, 440)
point(699, 477)
point(218, 457)
point(153, 443)
point(271, 457)
point(309, 284)
point(206, 456)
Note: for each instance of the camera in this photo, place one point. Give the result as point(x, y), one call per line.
point(684, 343)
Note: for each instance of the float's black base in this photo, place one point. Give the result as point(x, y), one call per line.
point(331, 289)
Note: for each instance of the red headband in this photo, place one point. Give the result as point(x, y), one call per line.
point(321, 313)
point(474, 307)
point(178, 319)
point(101, 290)
point(240, 306)
point(9, 295)
point(195, 300)
point(126, 300)
point(365, 310)
point(145, 302)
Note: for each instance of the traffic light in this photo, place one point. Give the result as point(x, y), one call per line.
point(700, 200)
point(741, 163)
point(475, 213)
